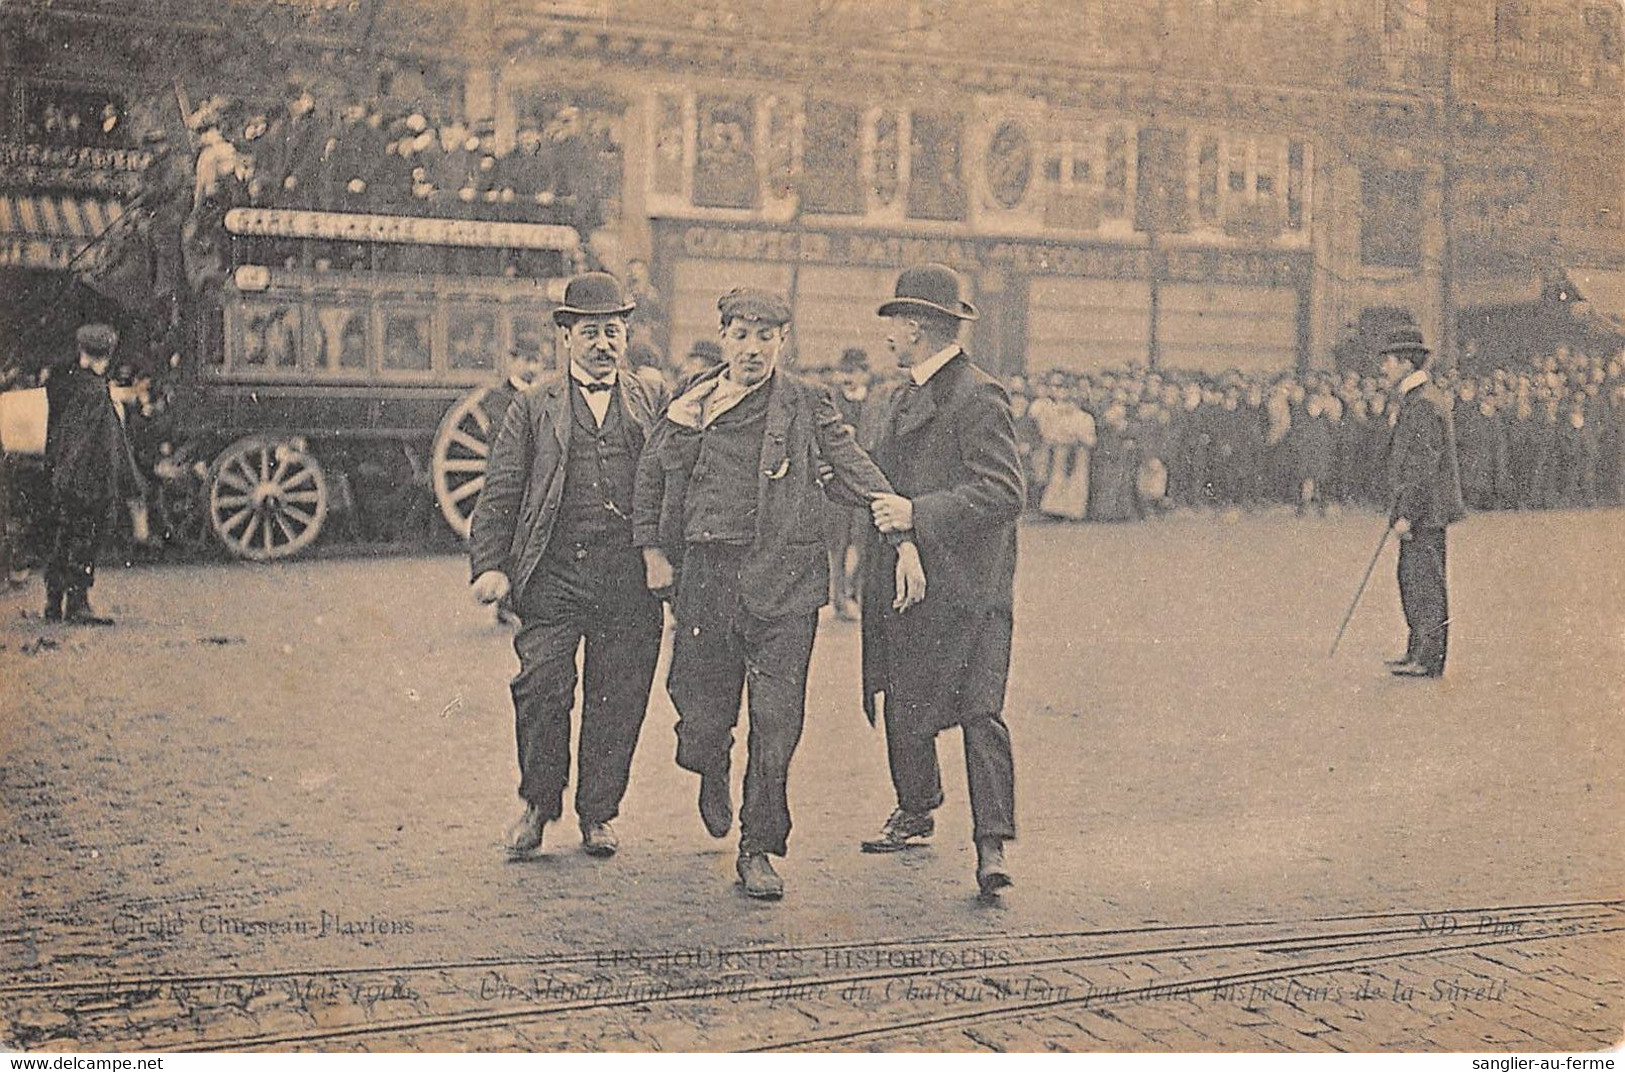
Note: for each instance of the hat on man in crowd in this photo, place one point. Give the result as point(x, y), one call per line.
point(854, 359)
point(929, 288)
point(96, 340)
point(752, 303)
point(593, 294)
point(1404, 341)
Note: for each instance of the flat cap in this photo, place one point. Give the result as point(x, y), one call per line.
point(749, 303)
point(97, 340)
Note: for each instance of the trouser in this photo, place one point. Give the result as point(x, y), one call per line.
point(77, 528)
point(721, 650)
point(989, 771)
point(1423, 595)
point(593, 595)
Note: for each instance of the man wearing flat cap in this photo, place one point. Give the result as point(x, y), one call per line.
point(949, 449)
point(553, 531)
point(92, 469)
point(729, 517)
point(1424, 498)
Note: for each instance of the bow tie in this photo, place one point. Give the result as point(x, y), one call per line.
point(595, 387)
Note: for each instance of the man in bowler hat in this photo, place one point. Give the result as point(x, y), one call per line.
point(729, 516)
point(1424, 489)
point(553, 527)
point(93, 468)
point(949, 449)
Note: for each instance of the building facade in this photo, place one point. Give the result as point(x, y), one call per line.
point(1207, 184)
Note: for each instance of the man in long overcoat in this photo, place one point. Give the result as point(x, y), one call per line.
point(1424, 495)
point(553, 527)
point(949, 448)
point(92, 468)
point(729, 514)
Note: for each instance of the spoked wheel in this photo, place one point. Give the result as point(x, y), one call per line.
point(267, 498)
point(462, 448)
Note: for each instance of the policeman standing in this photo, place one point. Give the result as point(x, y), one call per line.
point(92, 469)
point(729, 512)
point(554, 526)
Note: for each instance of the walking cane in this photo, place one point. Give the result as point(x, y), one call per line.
point(1361, 590)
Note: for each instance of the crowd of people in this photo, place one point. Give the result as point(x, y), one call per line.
point(367, 156)
point(1121, 445)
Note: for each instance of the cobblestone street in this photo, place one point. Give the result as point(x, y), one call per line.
point(265, 811)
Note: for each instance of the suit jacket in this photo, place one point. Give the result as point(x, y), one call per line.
point(524, 479)
point(950, 446)
point(787, 570)
point(1424, 476)
point(85, 442)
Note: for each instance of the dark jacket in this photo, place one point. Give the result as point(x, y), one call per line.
point(524, 480)
point(951, 448)
point(85, 443)
point(1424, 476)
point(787, 570)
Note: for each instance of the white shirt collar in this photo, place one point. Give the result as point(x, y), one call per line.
point(928, 368)
point(582, 376)
point(1412, 382)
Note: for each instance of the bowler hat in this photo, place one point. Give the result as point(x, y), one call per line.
point(750, 303)
point(930, 288)
point(96, 340)
point(593, 294)
point(1404, 341)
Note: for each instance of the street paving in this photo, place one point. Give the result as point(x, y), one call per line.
point(265, 810)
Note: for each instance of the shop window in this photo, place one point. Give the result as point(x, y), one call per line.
point(1391, 218)
point(1207, 181)
point(832, 158)
point(936, 189)
point(725, 159)
point(1114, 192)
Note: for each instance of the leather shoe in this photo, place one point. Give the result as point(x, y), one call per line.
point(1417, 670)
point(991, 873)
point(598, 839)
point(525, 835)
point(904, 830)
point(716, 806)
point(756, 874)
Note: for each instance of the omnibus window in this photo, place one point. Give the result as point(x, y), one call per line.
point(533, 335)
point(472, 340)
point(407, 342)
point(271, 337)
point(342, 338)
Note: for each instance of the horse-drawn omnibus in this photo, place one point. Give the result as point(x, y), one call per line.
point(347, 343)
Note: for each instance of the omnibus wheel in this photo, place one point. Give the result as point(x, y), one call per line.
point(267, 497)
point(462, 448)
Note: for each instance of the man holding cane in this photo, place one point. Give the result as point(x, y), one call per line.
point(1424, 484)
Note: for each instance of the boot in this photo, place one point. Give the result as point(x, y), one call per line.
point(756, 874)
point(991, 873)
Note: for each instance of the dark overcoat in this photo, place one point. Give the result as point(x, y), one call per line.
point(787, 570)
point(949, 446)
point(1424, 475)
point(85, 442)
point(524, 478)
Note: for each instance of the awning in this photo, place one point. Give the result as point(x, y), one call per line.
point(45, 231)
point(1602, 293)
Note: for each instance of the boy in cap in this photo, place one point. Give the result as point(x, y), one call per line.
point(729, 507)
point(92, 468)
